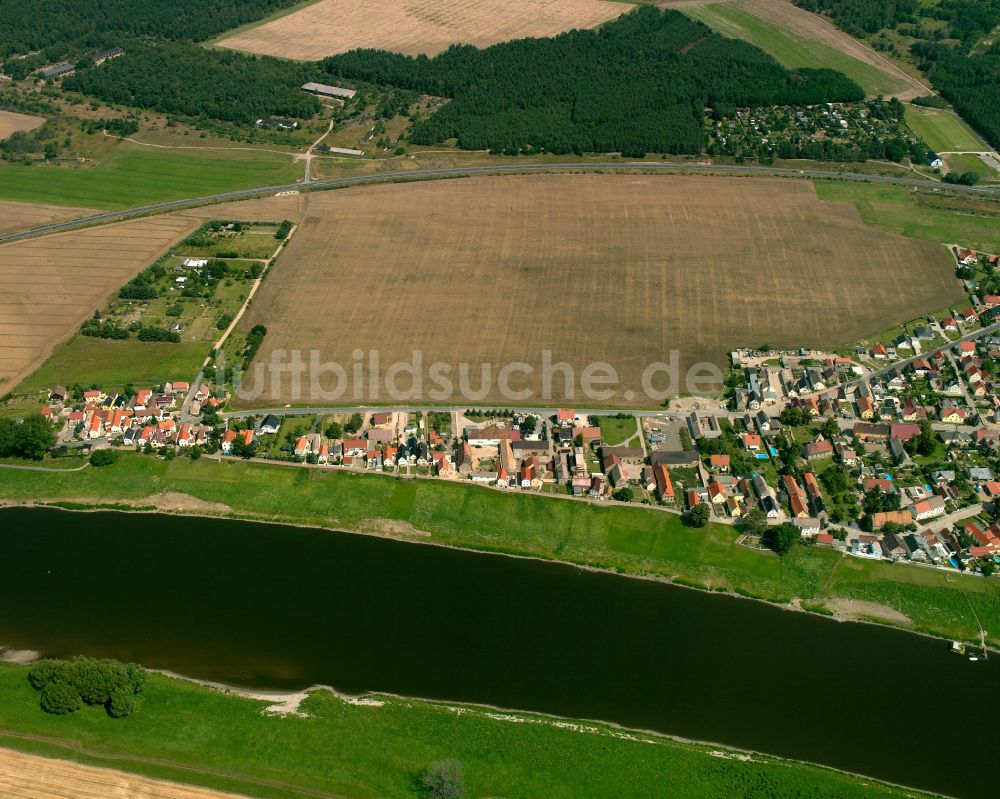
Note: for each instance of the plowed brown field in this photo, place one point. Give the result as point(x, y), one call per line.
point(619, 269)
point(11, 121)
point(52, 284)
point(21, 216)
point(32, 777)
point(416, 26)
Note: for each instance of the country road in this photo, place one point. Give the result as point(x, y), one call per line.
point(450, 172)
point(19, 467)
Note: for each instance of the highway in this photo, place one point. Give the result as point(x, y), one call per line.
point(454, 172)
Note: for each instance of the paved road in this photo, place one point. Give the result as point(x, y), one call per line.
point(174, 205)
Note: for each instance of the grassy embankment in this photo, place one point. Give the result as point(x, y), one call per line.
point(133, 175)
point(182, 731)
point(791, 49)
point(633, 541)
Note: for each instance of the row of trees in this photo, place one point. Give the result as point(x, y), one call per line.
point(95, 328)
point(590, 91)
point(67, 685)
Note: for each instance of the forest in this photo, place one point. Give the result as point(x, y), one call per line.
point(637, 85)
point(68, 29)
point(948, 34)
point(183, 78)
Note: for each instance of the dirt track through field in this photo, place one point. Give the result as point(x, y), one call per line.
point(24, 776)
point(53, 283)
point(16, 216)
point(610, 268)
point(416, 26)
point(799, 22)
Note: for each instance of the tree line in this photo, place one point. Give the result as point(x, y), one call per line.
point(639, 84)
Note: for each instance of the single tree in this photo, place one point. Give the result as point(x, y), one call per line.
point(443, 780)
point(699, 514)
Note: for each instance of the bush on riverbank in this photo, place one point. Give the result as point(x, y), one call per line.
point(103, 457)
point(66, 685)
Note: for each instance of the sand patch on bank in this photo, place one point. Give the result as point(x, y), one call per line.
point(391, 527)
point(844, 608)
point(175, 500)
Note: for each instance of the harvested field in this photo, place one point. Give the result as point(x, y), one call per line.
point(802, 28)
point(613, 268)
point(416, 26)
point(51, 284)
point(32, 777)
point(11, 122)
point(21, 216)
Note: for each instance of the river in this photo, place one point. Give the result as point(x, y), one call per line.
point(283, 607)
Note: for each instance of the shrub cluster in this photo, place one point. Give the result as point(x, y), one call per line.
point(67, 685)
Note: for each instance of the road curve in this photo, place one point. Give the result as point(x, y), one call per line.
point(450, 172)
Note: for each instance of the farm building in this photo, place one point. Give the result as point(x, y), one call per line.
point(329, 91)
point(106, 55)
point(59, 71)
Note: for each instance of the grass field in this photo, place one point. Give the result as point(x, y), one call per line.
point(11, 122)
point(53, 283)
point(377, 751)
point(424, 26)
point(113, 364)
point(627, 540)
point(798, 38)
point(943, 131)
point(134, 175)
point(617, 431)
point(593, 268)
point(21, 216)
point(793, 50)
point(971, 163)
point(973, 222)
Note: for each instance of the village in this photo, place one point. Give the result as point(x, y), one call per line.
point(889, 450)
point(846, 131)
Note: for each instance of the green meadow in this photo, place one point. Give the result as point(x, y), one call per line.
point(942, 130)
point(920, 213)
point(133, 175)
point(790, 49)
point(191, 734)
point(113, 364)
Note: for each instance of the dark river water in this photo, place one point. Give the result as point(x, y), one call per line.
point(283, 607)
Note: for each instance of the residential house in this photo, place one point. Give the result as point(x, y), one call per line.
point(664, 487)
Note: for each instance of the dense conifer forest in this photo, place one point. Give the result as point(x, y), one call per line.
point(181, 78)
point(639, 84)
point(65, 29)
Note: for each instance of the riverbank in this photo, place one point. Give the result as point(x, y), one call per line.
point(195, 734)
point(633, 541)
